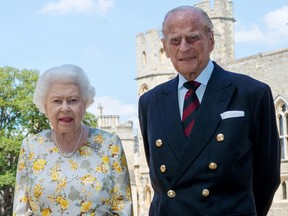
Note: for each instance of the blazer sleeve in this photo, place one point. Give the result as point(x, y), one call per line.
point(266, 166)
point(143, 127)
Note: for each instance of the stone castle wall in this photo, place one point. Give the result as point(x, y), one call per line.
point(270, 67)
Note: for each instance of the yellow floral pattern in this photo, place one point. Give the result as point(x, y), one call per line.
point(94, 181)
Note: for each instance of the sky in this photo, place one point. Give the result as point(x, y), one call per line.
point(100, 37)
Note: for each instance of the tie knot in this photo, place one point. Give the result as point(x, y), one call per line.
point(193, 85)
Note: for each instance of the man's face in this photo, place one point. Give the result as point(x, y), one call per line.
point(187, 43)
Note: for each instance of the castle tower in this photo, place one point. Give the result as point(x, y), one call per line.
point(153, 67)
point(221, 15)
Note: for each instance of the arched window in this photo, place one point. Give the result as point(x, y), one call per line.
point(147, 196)
point(143, 89)
point(282, 123)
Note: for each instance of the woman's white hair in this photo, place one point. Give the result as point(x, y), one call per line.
point(66, 73)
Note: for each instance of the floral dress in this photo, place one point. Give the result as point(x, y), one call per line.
point(94, 181)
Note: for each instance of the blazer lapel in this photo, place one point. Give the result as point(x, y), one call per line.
point(171, 120)
point(217, 96)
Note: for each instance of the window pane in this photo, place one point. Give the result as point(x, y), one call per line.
point(284, 107)
point(286, 124)
point(281, 125)
point(282, 148)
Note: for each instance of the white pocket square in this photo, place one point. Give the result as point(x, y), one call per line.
point(232, 114)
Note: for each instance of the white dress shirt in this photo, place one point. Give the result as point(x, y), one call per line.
point(203, 78)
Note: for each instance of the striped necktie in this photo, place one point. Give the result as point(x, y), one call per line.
point(191, 104)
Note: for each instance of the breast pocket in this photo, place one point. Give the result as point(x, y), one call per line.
point(235, 120)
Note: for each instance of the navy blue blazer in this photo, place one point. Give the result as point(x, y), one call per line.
point(228, 166)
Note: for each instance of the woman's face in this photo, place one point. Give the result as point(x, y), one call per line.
point(64, 107)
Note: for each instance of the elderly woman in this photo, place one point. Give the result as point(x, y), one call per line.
point(70, 169)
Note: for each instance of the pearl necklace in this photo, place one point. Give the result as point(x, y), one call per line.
point(68, 154)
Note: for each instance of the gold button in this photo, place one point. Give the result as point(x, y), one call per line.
point(163, 168)
point(205, 193)
point(158, 143)
point(220, 137)
point(171, 193)
point(213, 166)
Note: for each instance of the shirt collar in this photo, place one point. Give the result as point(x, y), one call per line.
point(203, 77)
